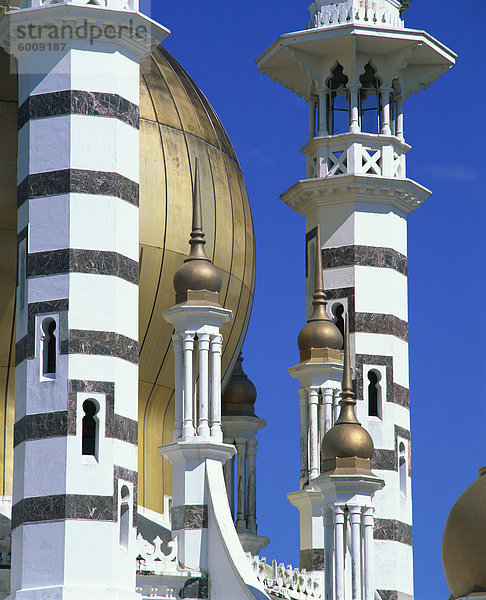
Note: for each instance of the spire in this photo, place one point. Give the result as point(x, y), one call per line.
point(320, 301)
point(320, 338)
point(197, 280)
point(347, 439)
point(347, 402)
point(197, 240)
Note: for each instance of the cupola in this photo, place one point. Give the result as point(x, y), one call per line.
point(464, 541)
point(240, 394)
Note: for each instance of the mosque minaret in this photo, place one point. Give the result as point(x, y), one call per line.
point(356, 65)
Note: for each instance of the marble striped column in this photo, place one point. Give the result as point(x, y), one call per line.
point(75, 472)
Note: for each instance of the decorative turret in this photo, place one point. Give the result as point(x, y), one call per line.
point(320, 339)
point(347, 439)
point(198, 280)
point(356, 65)
point(240, 426)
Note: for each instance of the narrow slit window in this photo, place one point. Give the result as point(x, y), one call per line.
point(338, 102)
point(338, 312)
point(402, 467)
point(373, 394)
point(124, 517)
point(49, 348)
point(90, 428)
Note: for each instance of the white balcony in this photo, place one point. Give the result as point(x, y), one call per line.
point(356, 154)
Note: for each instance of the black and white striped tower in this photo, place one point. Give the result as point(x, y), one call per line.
point(75, 459)
point(356, 64)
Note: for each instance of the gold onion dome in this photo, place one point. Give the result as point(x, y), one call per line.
point(347, 439)
point(240, 394)
point(197, 274)
point(464, 541)
point(320, 333)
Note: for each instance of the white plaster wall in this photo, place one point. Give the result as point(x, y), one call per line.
point(380, 290)
point(90, 70)
point(103, 303)
point(393, 566)
point(108, 368)
point(78, 142)
point(55, 287)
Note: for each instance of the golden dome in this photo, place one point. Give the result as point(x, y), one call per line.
point(320, 332)
point(464, 541)
point(347, 439)
point(240, 395)
point(177, 124)
point(197, 274)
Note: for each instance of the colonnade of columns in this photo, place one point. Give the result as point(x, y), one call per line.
point(319, 409)
point(245, 461)
point(198, 407)
point(318, 112)
point(348, 530)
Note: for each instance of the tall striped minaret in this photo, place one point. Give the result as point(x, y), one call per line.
point(75, 458)
point(356, 64)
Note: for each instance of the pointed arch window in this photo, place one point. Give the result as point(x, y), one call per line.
point(49, 348)
point(90, 427)
point(374, 394)
point(124, 517)
point(338, 102)
point(370, 101)
point(402, 468)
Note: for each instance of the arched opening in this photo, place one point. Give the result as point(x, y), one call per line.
point(338, 313)
point(402, 468)
point(338, 102)
point(124, 517)
point(89, 429)
point(49, 348)
point(370, 105)
point(374, 394)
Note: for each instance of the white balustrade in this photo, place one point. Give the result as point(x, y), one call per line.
point(285, 581)
point(152, 558)
point(376, 13)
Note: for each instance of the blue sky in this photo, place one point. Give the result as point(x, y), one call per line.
point(217, 43)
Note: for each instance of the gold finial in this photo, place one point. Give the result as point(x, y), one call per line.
point(347, 402)
point(320, 339)
point(198, 280)
point(347, 439)
point(197, 240)
point(320, 301)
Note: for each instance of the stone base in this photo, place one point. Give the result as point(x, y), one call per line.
point(253, 543)
point(346, 466)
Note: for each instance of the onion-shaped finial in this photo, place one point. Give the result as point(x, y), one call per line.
point(347, 439)
point(320, 333)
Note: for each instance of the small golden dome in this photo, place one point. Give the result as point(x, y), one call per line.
point(464, 541)
point(347, 439)
point(197, 274)
point(320, 332)
point(240, 394)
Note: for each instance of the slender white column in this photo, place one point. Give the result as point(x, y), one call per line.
point(385, 127)
point(312, 118)
point(314, 437)
point(339, 518)
point(188, 417)
point(215, 395)
point(251, 449)
point(337, 408)
point(327, 396)
point(229, 478)
point(322, 418)
point(178, 392)
point(354, 126)
point(241, 450)
point(368, 559)
point(399, 118)
point(304, 438)
point(355, 521)
point(203, 428)
point(328, 555)
point(322, 95)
